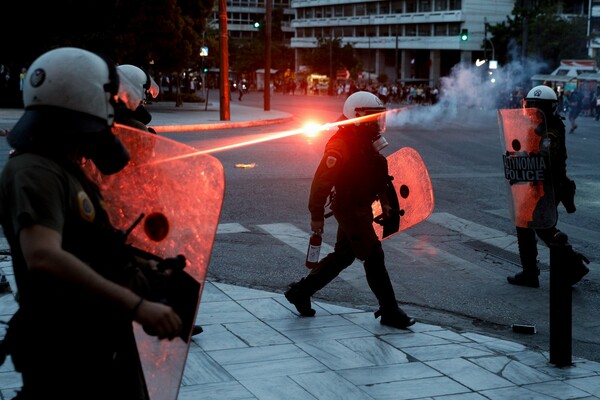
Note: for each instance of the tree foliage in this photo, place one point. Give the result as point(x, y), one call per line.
point(538, 31)
point(161, 34)
point(329, 53)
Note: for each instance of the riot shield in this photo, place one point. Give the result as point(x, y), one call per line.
point(177, 199)
point(412, 190)
point(527, 168)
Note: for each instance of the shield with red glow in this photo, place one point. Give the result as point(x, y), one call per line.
point(177, 197)
point(413, 189)
point(527, 170)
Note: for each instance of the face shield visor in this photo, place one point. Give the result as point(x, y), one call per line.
point(374, 116)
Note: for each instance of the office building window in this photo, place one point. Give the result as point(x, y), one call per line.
point(425, 6)
point(338, 11)
point(348, 10)
point(440, 29)
point(441, 5)
point(424, 29)
point(349, 31)
point(384, 7)
point(360, 9)
point(372, 9)
point(397, 7)
point(410, 30)
point(454, 29)
point(411, 6)
point(455, 4)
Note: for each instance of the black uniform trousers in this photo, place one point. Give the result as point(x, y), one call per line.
point(356, 238)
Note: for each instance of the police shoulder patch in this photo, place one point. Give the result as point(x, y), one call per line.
point(86, 207)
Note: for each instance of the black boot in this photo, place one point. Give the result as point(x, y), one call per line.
point(526, 277)
point(396, 319)
point(567, 197)
point(196, 330)
point(299, 299)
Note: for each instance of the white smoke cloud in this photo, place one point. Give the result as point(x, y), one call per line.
point(467, 88)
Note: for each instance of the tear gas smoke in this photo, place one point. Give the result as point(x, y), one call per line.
point(468, 88)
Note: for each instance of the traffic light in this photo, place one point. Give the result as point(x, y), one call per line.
point(256, 24)
point(205, 70)
point(464, 35)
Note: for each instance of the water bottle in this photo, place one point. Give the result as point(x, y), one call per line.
point(314, 249)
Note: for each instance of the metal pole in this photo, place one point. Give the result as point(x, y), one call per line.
point(224, 69)
point(560, 303)
point(589, 24)
point(267, 98)
point(397, 68)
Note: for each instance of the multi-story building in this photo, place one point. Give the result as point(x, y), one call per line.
point(242, 14)
point(404, 39)
point(407, 40)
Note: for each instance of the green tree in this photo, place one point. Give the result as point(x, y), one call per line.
point(247, 55)
point(538, 31)
point(167, 33)
point(318, 59)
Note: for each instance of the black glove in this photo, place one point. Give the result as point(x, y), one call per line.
point(567, 194)
point(175, 264)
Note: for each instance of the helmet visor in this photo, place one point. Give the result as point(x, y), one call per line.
point(374, 115)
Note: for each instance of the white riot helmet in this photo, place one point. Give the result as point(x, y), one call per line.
point(69, 96)
point(542, 97)
point(135, 85)
point(369, 112)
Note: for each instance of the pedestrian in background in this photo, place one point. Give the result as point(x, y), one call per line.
point(68, 275)
point(352, 166)
point(544, 98)
point(575, 103)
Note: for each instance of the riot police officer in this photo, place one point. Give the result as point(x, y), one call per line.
point(353, 174)
point(544, 98)
point(136, 86)
point(61, 239)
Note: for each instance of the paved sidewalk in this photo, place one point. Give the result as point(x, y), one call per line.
point(255, 346)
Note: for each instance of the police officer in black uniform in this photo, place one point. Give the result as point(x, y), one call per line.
point(357, 174)
point(545, 99)
point(136, 86)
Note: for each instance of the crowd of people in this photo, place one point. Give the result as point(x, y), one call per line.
point(399, 93)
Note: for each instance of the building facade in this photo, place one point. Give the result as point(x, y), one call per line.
point(407, 40)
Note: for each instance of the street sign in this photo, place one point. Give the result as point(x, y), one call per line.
point(203, 51)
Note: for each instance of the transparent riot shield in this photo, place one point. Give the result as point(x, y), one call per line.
point(527, 168)
point(177, 199)
point(413, 193)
